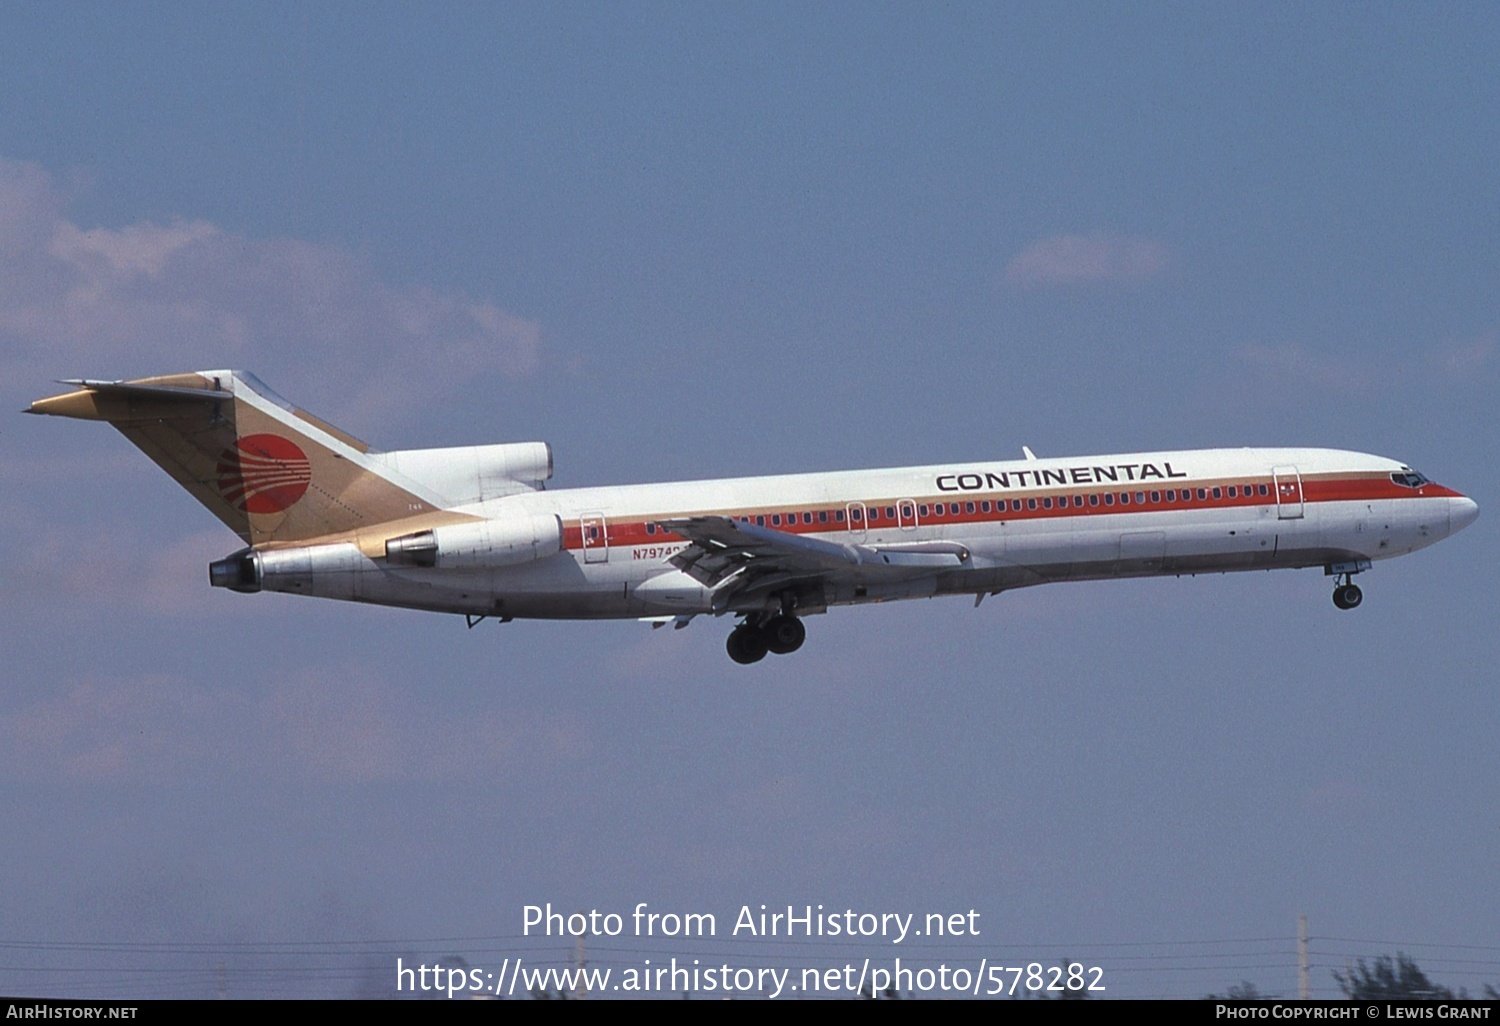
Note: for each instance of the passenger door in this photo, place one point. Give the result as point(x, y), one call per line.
point(595, 534)
point(1288, 493)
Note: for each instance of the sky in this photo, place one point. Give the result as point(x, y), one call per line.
point(680, 241)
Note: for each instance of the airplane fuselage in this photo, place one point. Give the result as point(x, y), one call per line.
point(475, 531)
point(1020, 522)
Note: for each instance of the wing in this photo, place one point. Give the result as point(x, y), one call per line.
point(738, 556)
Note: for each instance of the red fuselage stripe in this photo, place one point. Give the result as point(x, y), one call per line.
point(1343, 488)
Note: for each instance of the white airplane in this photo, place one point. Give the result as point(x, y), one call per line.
point(474, 530)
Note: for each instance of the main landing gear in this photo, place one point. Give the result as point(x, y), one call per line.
point(780, 634)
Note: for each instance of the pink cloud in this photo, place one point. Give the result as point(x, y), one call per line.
point(332, 727)
point(124, 567)
point(1086, 259)
point(98, 730)
point(1336, 794)
point(1464, 359)
point(1441, 365)
point(1296, 364)
point(155, 298)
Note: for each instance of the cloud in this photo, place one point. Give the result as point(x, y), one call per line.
point(1086, 260)
point(1295, 364)
point(111, 730)
point(124, 567)
point(152, 298)
point(1463, 359)
point(1337, 794)
point(1453, 361)
point(331, 727)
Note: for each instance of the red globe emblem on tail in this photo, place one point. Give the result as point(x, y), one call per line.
point(263, 474)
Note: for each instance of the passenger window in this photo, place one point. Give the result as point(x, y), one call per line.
point(822, 516)
point(807, 518)
point(1171, 494)
point(775, 519)
point(1140, 498)
point(760, 521)
point(838, 515)
point(1202, 494)
point(650, 528)
point(922, 509)
point(984, 507)
point(1094, 499)
point(1156, 496)
point(1218, 493)
point(890, 512)
point(1262, 489)
point(1109, 498)
point(1124, 498)
point(1047, 502)
point(1031, 504)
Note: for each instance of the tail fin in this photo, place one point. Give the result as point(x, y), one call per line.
point(271, 472)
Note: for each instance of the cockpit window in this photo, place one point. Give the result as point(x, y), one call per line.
point(1410, 479)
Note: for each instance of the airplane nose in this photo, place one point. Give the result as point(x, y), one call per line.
point(1461, 513)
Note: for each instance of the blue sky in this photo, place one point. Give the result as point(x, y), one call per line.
point(678, 241)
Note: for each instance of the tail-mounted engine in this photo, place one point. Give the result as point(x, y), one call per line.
point(237, 572)
point(485, 543)
point(332, 571)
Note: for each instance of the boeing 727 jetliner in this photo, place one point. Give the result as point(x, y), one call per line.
point(474, 530)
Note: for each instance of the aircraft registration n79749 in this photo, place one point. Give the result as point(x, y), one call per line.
point(475, 531)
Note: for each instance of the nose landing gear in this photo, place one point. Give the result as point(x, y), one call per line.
point(1346, 594)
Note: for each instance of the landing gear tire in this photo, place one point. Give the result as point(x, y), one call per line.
point(1348, 596)
point(747, 645)
point(784, 634)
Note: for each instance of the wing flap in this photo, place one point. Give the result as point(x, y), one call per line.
point(723, 548)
